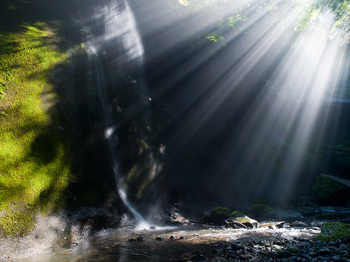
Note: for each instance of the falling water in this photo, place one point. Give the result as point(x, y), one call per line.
point(119, 33)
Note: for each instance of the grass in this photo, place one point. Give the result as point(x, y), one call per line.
point(34, 159)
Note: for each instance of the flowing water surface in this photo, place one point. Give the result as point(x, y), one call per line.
point(165, 244)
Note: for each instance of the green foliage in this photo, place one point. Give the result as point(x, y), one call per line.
point(215, 37)
point(220, 211)
point(261, 209)
point(339, 8)
point(333, 231)
point(237, 214)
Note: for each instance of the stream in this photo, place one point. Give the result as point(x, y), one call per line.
point(184, 243)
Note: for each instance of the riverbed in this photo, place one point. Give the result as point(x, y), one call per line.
point(183, 243)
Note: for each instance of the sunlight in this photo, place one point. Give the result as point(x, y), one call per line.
point(305, 78)
point(118, 28)
point(254, 84)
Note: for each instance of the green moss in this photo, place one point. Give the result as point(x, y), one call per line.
point(220, 211)
point(237, 214)
point(333, 231)
point(34, 156)
point(261, 209)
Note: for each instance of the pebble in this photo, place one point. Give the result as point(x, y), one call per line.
point(284, 250)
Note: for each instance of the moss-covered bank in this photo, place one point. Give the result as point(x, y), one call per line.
point(34, 144)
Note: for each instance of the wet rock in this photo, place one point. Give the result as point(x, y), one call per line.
point(231, 256)
point(333, 231)
point(237, 246)
point(240, 220)
point(159, 238)
point(199, 257)
point(287, 214)
point(317, 223)
point(283, 254)
point(272, 225)
point(277, 247)
point(323, 252)
point(140, 239)
point(177, 218)
point(261, 211)
point(218, 259)
point(246, 257)
point(298, 224)
point(218, 215)
point(217, 251)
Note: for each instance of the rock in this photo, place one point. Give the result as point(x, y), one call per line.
point(333, 231)
point(216, 251)
point(287, 214)
point(277, 247)
point(317, 223)
point(236, 246)
point(140, 238)
point(331, 190)
point(298, 224)
point(283, 254)
point(199, 257)
point(132, 239)
point(323, 252)
point(272, 225)
point(178, 218)
point(240, 220)
point(261, 211)
point(218, 215)
point(218, 259)
point(246, 257)
point(159, 238)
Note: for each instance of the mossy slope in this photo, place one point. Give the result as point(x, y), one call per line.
point(34, 145)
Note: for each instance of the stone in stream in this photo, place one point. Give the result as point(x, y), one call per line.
point(272, 225)
point(298, 224)
point(240, 220)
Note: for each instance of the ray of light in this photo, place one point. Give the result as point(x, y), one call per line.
point(261, 80)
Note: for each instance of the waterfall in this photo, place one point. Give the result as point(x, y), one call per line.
point(112, 32)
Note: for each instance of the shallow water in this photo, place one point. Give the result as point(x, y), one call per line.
point(166, 244)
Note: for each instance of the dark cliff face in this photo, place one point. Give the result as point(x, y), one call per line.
point(183, 129)
point(221, 141)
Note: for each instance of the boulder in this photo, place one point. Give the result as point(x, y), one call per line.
point(334, 231)
point(218, 215)
point(240, 220)
point(261, 211)
point(331, 190)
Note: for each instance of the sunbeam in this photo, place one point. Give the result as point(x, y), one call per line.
point(246, 87)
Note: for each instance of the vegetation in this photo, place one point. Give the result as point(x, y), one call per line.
point(339, 8)
point(221, 211)
point(332, 231)
point(261, 210)
point(34, 144)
